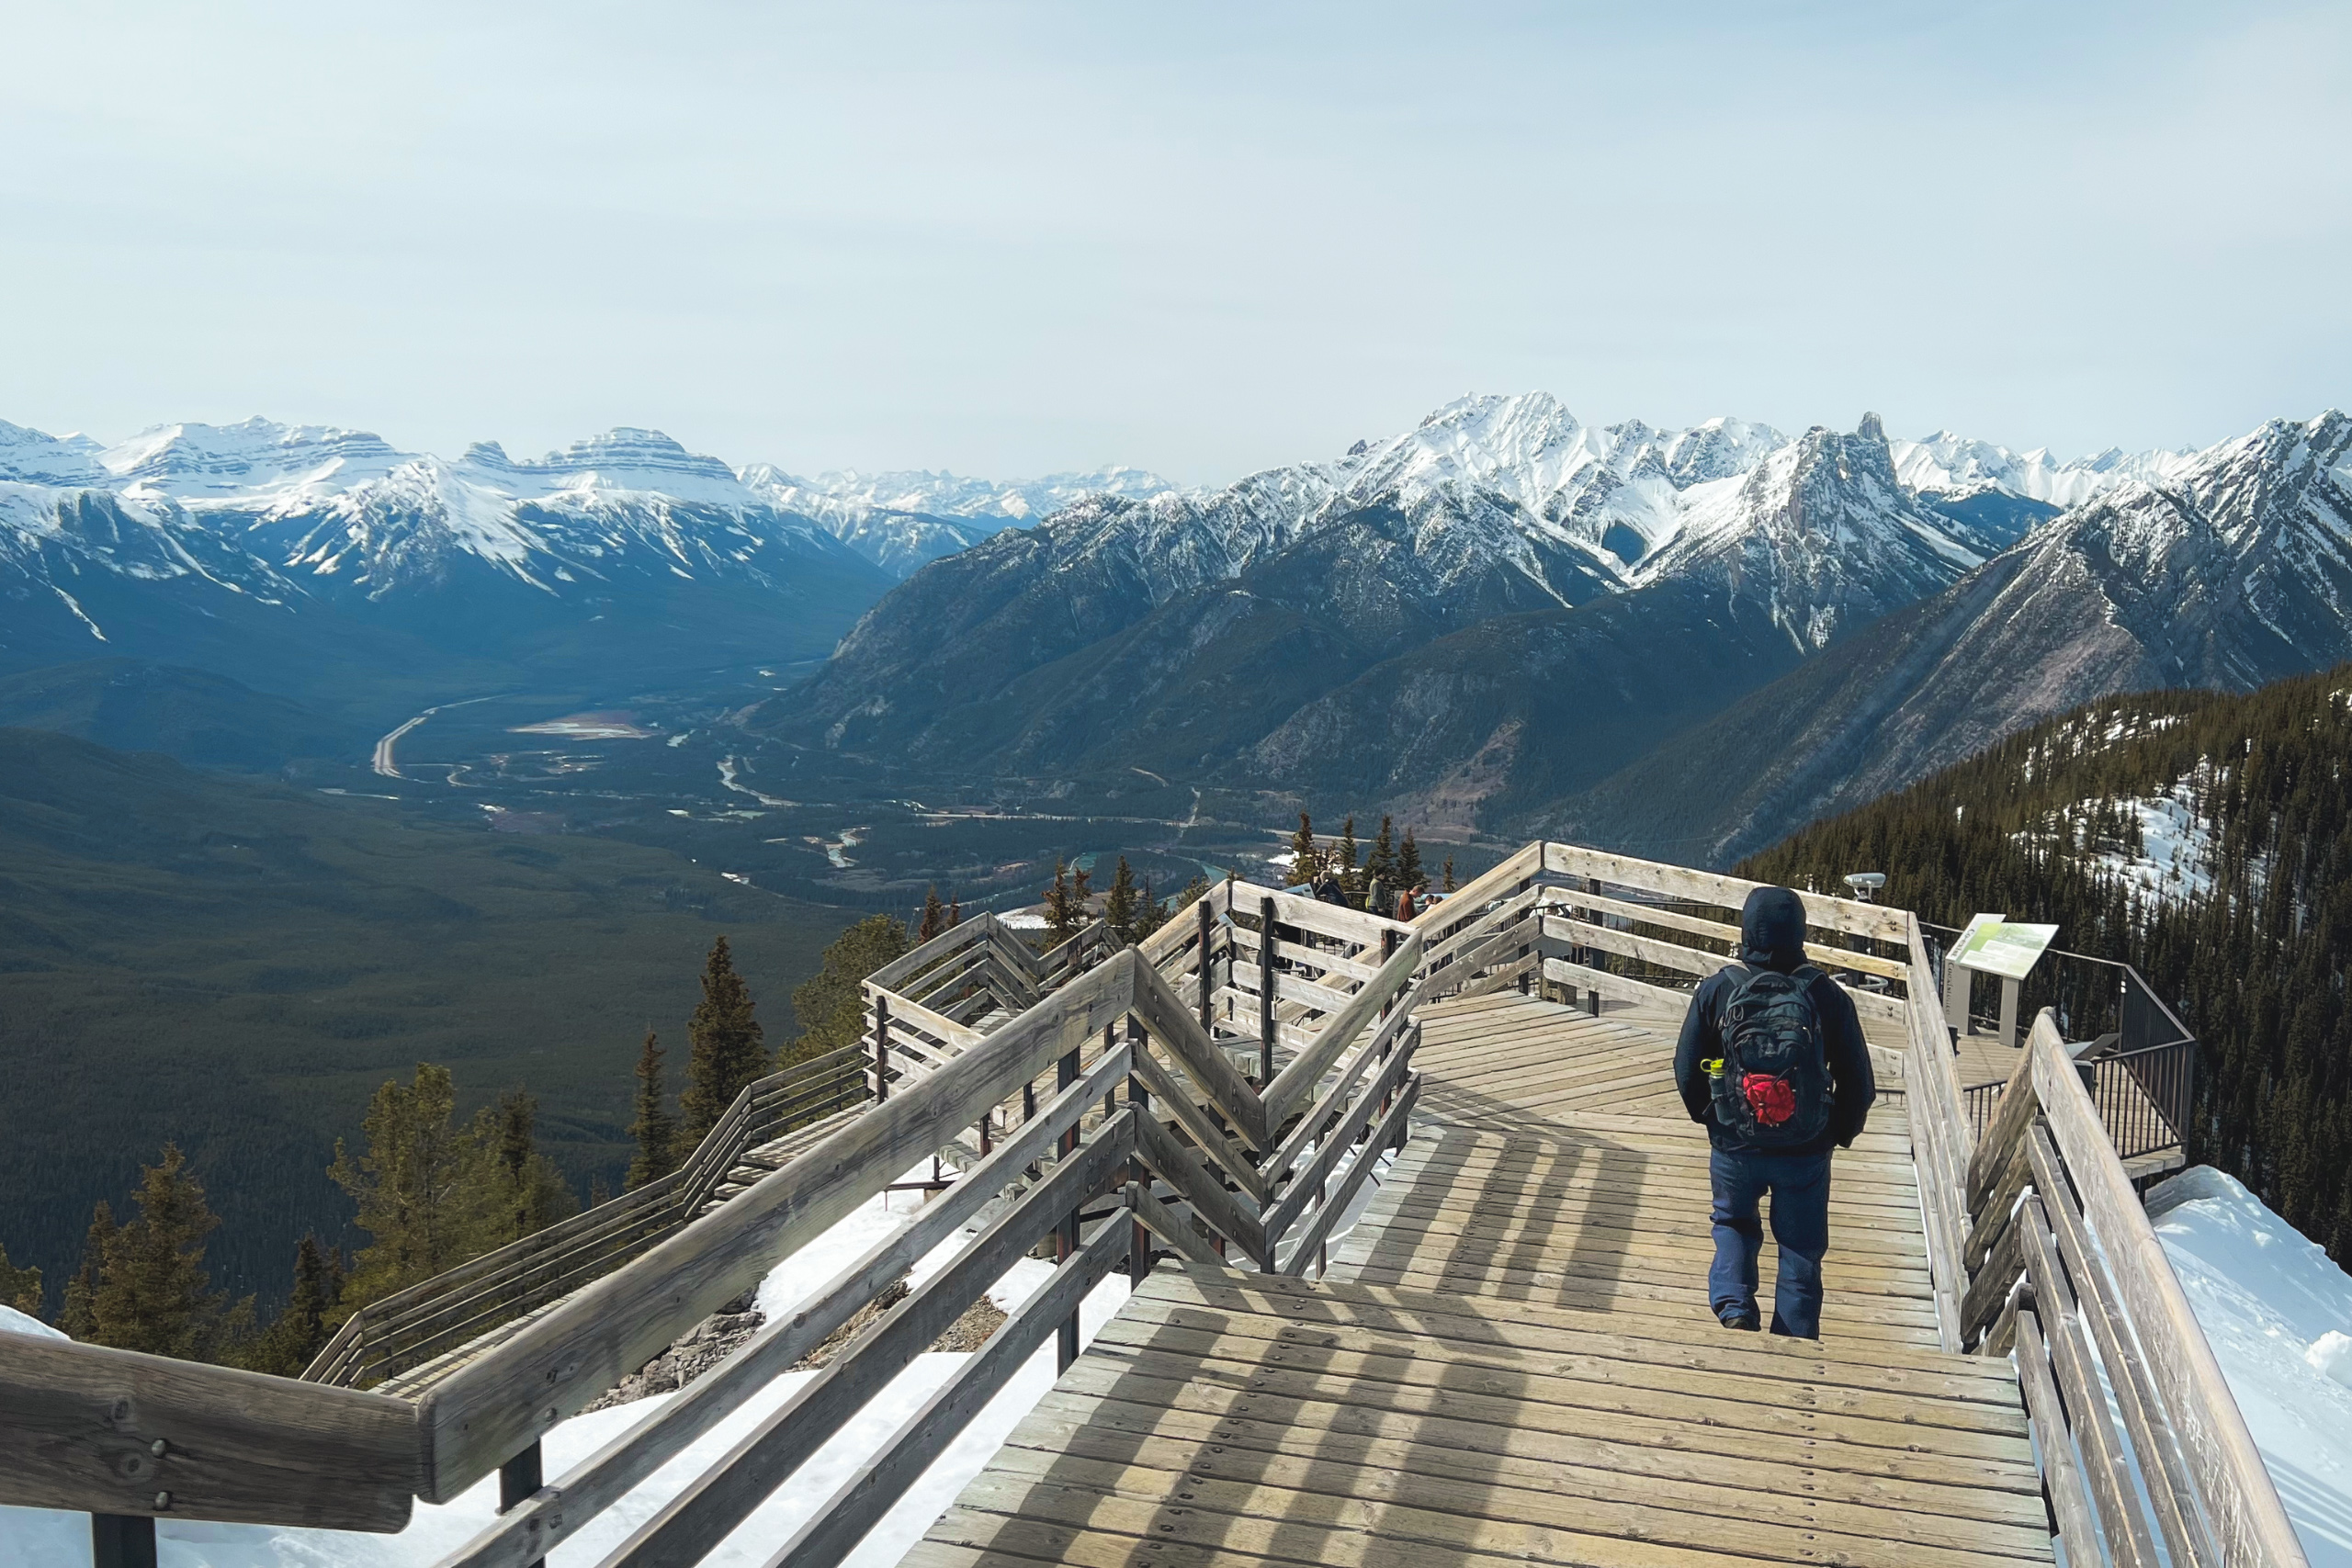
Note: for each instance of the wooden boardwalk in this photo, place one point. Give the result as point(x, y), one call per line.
point(1512, 1360)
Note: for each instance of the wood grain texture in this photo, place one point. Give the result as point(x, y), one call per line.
point(96, 1430)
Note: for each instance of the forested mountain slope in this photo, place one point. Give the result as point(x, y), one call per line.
point(2204, 837)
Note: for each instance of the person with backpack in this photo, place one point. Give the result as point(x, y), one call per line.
point(1773, 1063)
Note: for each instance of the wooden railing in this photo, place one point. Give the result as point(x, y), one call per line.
point(402, 1335)
point(1223, 1091)
point(2065, 1274)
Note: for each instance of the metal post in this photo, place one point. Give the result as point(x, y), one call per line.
point(881, 1047)
point(1955, 995)
point(1065, 1233)
point(2009, 989)
point(1592, 998)
point(519, 1478)
point(1139, 1239)
point(1265, 990)
point(1208, 929)
point(122, 1541)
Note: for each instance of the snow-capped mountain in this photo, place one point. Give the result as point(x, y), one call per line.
point(1953, 465)
point(2233, 570)
point(242, 547)
point(902, 521)
point(1096, 630)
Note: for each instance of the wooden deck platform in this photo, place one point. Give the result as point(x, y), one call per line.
point(1512, 1359)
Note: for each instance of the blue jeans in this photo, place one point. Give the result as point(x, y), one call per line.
point(1798, 1185)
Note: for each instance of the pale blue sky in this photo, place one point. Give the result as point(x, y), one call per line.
point(1013, 238)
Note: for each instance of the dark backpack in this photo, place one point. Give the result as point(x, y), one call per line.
point(1773, 1092)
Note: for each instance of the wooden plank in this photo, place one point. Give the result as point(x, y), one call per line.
point(2250, 1526)
point(523, 1534)
point(1846, 915)
point(495, 1406)
point(2107, 1466)
point(96, 1430)
point(1998, 1153)
point(1161, 1222)
point(1296, 1081)
point(1201, 1188)
point(1335, 1201)
point(1175, 1099)
point(1395, 1030)
point(1616, 987)
point(1313, 957)
point(2061, 1474)
point(693, 1523)
point(859, 1502)
point(1440, 922)
point(2162, 1469)
point(1172, 1025)
point(1092, 1424)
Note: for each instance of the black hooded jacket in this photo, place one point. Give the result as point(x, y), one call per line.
point(1771, 936)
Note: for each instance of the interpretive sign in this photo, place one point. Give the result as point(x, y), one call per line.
point(2009, 948)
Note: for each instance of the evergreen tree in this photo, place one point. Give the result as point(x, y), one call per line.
point(1449, 875)
point(531, 1193)
point(831, 1005)
point(1381, 864)
point(426, 1196)
point(153, 1291)
point(725, 1050)
point(79, 1315)
point(955, 912)
point(19, 1288)
point(1343, 859)
point(294, 1340)
point(1410, 875)
point(1149, 914)
point(1193, 893)
point(1304, 862)
point(934, 917)
point(1066, 912)
point(655, 1130)
point(1123, 903)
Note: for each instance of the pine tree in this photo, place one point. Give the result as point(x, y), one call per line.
point(726, 1049)
point(531, 1193)
point(934, 917)
point(1193, 893)
point(1304, 862)
point(426, 1195)
point(1344, 859)
point(955, 913)
point(1410, 875)
point(655, 1130)
point(79, 1315)
point(831, 1005)
point(19, 1288)
point(1066, 912)
point(300, 1332)
point(1449, 875)
point(1149, 914)
point(1123, 903)
point(153, 1291)
point(1381, 864)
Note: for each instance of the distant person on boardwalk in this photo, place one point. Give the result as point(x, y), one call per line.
point(1773, 1063)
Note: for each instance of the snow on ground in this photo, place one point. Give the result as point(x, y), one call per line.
point(31, 1538)
point(2278, 1315)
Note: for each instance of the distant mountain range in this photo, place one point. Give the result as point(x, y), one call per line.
point(313, 558)
point(1467, 623)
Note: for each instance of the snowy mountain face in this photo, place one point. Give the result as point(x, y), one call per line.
point(1952, 465)
point(194, 537)
point(903, 520)
point(2232, 570)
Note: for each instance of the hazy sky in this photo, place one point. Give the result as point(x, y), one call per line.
point(1007, 239)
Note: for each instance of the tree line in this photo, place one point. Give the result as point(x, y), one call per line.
point(2252, 945)
point(432, 1189)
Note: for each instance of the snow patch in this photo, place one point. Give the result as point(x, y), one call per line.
point(2278, 1315)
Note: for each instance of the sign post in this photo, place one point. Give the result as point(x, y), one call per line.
point(1992, 945)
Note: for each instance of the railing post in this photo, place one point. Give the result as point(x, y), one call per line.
point(1208, 930)
point(1265, 990)
point(122, 1541)
point(1140, 1239)
point(1066, 1233)
point(519, 1478)
point(881, 1047)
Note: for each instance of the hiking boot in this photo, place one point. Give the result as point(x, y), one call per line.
point(1746, 1322)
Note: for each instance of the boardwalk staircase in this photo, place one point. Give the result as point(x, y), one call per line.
point(1409, 1216)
